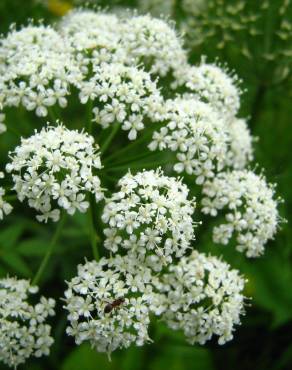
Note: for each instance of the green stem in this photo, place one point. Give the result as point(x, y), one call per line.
point(52, 115)
point(13, 131)
point(257, 105)
point(10, 197)
point(93, 236)
point(89, 116)
point(128, 147)
point(49, 250)
point(136, 157)
point(110, 137)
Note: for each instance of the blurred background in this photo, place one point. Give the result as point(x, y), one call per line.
point(253, 38)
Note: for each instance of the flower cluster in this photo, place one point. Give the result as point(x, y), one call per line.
point(5, 207)
point(216, 86)
point(55, 168)
point(154, 43)
point(122, 94)
point(240, 151)
point(109, 303)
point(36, 69)
point(202, 297)
point(24, 332)
point(250, 210)
point(150, 215)
point(94, 37)
point(197, 134)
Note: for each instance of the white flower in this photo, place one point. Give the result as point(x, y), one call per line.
point(36, 69)
point(197, 134)
point(109, 302)
point(95, 38)
point(54, 169)
point(24, 332)
point(155, 44)
point(151, 215)
point(241, 140)
point(215, 85)
point(202, 296)
point(5, 207)
point(125, 95)
point(250, 210)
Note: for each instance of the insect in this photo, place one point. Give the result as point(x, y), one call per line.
point(115, 304)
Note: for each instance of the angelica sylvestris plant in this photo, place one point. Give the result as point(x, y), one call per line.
point(185, 156)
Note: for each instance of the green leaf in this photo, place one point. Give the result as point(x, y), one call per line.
point(32, 247)
point(269, 282)
point(16, 263)
point(85, 358)
point(10, 235)
point(179, 357)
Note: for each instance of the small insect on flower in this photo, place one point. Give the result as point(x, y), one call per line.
point(115, 304)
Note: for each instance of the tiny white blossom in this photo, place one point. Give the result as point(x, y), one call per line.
point(94, 37)
point(215, 85)
point(154, 43)
point(250, 210)
point(24, 332)
point(54, 169)
point(197, 134)
point(203, 297)
point(37, 69)
point(124, 95)
point(241, 140)
point(150, 214)
point(109, 302)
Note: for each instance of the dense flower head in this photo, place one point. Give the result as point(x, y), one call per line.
point(250, 209)
point(36, 69)
point(197, 134)
point(95, 38)
point(216, 86)
point(154, 43)
point(24, 332)
point(151, 215)
point(5, 207)
point(240, 152)
point(124, 95)
point(109, 303)
point(55, 169)
point(202, 297)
